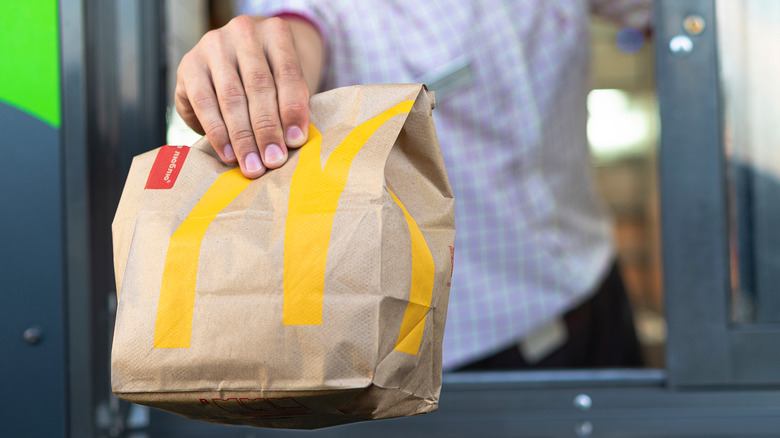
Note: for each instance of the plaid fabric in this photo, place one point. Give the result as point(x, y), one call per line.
point(532, 238)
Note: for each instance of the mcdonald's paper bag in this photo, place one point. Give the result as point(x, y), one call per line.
point(312, 296)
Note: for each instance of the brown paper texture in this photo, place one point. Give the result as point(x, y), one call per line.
point(243, 364)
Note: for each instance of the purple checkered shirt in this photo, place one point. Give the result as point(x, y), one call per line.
point(511, 79)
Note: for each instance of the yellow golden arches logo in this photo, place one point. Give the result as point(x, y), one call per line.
point(173, 327)
point(314, 195)
point(421, 290)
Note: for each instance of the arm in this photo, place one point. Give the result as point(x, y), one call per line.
point(246, 86)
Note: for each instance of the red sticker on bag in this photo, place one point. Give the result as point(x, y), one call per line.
point(166, 167)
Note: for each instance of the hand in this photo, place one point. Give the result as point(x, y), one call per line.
point(244, 87)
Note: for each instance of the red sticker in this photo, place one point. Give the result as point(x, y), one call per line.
point(166, 167)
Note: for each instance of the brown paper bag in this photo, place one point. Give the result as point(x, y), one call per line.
point(313, 296)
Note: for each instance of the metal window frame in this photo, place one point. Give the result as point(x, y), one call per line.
point(113, 108)
point(694, 209)
point(78, 311)
point(603, 403)
point(704, 347)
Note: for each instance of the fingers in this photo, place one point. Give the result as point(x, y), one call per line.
point(200, 109)
point(242, 86)
point(184, 108)
point(261, 94)
point(293, 93)
point(277, 94)
point(234, 107)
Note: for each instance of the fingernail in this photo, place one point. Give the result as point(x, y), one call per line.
point(228, 153)
point(273, 154)
point(294, 136)
point(253, 163)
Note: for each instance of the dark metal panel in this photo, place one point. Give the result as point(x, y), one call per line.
point(621, 404)
point(31, 277)
point(742, 185)
point(102, 137)
point(765, 215)
point(694, 210)
point(548, 379)
point(755, 356)
point(125, 113)
point(76, 216)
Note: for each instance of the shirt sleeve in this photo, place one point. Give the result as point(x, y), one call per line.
point(300, 9)
point(634, 13)
point(306, 10)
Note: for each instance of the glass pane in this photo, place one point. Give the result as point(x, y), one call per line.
point(748, 32)
point(623, 130)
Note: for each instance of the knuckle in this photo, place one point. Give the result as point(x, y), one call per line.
point(203, 101)
point(242, 25)
point(278, 25)
point(259, 81)
point(190, 64)
point(292, 108)
point(179, 93)
point(232, 94)
point(212, 38)
point(289, 71)
point(265, 125)
point(240, 21)
point(215, 130)
point(185, 61)
point(241, 135)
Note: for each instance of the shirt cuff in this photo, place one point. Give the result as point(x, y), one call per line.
point(308, 19)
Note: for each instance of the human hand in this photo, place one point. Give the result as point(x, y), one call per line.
point(243, 86)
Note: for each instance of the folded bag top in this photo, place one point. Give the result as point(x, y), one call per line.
point(312, 296)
